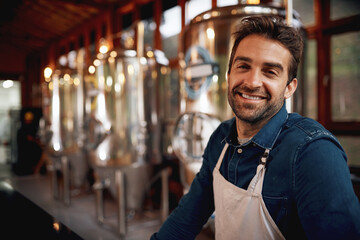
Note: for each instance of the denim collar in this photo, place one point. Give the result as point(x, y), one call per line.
point(267, 136)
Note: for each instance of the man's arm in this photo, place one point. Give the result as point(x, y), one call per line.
point(327, 205)
point(193, 211)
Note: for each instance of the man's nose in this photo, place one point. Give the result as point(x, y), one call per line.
point(253, 79)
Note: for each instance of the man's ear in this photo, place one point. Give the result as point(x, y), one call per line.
point(290, 88)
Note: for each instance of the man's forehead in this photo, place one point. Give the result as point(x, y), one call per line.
point(258, 48)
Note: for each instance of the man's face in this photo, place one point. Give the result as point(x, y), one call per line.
point(258, 77)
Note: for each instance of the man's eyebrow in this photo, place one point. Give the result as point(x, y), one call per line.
point(267, 64)
point(239, 58)
point(275, 65)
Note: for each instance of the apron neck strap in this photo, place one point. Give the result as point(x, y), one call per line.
point(218, 164)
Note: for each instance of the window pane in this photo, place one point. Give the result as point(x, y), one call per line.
point(351, 146)
point(170, 29)
point(195, 7)
point(149, 28)
point(305, 8)
point(310, 92)
point(223, 3)
point(345, 84)
point(344, 8)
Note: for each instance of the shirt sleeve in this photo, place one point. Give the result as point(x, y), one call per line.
point(327, 205)
point(194, 209)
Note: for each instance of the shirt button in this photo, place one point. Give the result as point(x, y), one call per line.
point(239, 150)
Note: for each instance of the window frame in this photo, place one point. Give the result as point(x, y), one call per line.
point(322, 32)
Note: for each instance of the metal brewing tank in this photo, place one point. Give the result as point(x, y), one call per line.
point(207, 45)
point(62, 125)
point(124, 126)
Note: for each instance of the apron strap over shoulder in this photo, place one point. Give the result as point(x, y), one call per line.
point(218, 164)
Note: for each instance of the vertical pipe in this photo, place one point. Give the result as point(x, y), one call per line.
point(99, 202)
point(289, 16)
point(121, 198)
point(140, 39)
point(164, 194)
point(55, 185)
point(289, 11)
point(66, 175)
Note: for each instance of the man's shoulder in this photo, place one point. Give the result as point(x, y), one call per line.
point(307, 126)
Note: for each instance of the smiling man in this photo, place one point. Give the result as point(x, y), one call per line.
point(268, 174)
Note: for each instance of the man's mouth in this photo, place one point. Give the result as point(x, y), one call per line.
point(250, 97)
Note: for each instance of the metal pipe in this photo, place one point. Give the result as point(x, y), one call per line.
point(121, 198)
point(289, 12)
point(99, 202)
point(54, 180)
point(164, 194)
point(289, 19)
point(66, 176)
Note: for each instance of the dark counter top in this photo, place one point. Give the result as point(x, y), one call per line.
point(79, 218)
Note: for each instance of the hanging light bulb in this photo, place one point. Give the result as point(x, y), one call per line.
point(104, 46)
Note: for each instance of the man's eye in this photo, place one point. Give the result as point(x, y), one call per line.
point(242, 66)
point(271, 72)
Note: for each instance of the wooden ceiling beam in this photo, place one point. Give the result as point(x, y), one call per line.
point(100, 5)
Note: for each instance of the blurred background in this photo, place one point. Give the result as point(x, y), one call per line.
point(106, 105)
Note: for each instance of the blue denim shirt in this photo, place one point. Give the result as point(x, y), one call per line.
point(307, 187)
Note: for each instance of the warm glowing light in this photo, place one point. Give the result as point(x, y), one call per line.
point(163, 70)
point(154, 74)
point(103, 49)
point(99, 56)
point(56, 226)
point(150, 54)
point(91, 69)
point(121, 78)
point(210, 33)
point(104, 46)
point(66, 77)
point(96, 62)
point(51, 86)
point(47, 73)
point(253, 1)
point(76, 81)
point(131, 69)
point(113, 54)
point(8, 84)
point(109, 81)
point(111, 60)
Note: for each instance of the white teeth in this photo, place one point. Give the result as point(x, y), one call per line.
point(251, 97)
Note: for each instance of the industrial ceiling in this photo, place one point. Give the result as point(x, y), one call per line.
point(30, 25)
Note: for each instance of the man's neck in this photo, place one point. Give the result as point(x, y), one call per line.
point(247, 130)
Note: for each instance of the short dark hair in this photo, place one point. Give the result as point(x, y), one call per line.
point(275, 28)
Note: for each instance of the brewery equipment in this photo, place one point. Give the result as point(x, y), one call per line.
point(62, 126)
point(124, 125)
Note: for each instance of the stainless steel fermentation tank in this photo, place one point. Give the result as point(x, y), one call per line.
point(124, 125)
point(207, 44)
point(62, 126)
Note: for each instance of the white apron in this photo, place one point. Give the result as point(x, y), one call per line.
point(240, 213)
